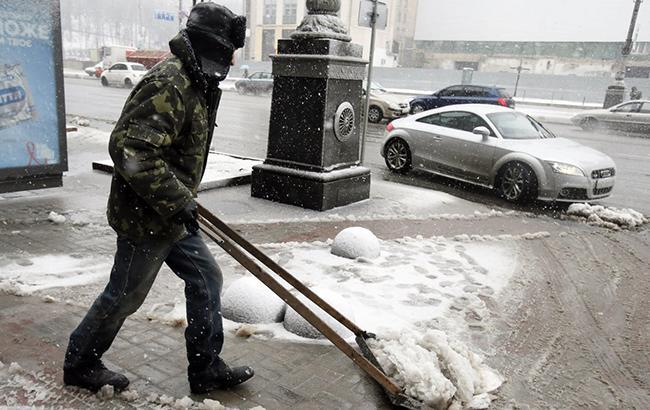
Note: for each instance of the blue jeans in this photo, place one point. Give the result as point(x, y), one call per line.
point(135, 268)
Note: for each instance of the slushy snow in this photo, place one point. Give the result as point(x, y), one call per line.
point(356, 242)
point(296, 324)
point(433, 368)
point(56, 218)
point(608, 217)
point(247, 300)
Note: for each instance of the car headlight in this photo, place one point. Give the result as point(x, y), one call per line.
point(394, 107)
point(566, 169)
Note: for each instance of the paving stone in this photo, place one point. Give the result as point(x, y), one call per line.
point(170, 366)
point(150, 373)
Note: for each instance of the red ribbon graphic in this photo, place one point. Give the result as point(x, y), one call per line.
point(31, 151)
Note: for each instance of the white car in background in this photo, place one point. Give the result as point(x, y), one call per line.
point(633, 116)
point(500, 148)
point(124, 74)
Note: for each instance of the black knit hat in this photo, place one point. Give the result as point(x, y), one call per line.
point(215, 33)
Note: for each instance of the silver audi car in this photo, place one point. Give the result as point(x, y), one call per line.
point(500, 148)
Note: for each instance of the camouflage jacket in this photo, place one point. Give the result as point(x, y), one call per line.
point(159, 147)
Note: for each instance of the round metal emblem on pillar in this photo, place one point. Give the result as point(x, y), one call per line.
point(344, 122)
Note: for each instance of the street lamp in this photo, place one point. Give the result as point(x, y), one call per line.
point(519, 69)
point(616, 92)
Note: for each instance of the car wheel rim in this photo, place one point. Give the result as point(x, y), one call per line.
point(397, 155)
point(373, 115)
point(513, 183)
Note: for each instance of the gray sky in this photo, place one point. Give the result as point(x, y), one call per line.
point(529, 20)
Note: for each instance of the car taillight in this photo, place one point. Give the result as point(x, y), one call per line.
point(390, 127)
point(502, 101)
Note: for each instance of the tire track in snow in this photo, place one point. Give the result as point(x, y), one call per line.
point(614, 371)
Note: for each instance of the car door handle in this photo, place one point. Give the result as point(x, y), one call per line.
point(436, 138)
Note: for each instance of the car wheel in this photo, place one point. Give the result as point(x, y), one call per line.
point(104, 82)
point(589, 124)
point(398, 156)
point(241, 90)
point(375, 114)
point(128, 83)
point(517, 183)
point(416, 108)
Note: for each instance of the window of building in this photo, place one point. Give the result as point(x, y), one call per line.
point(290, 12)
point(269, 12)
point(268, 44)
point(287, 33)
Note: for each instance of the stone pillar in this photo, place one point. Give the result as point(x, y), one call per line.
point(314, 134)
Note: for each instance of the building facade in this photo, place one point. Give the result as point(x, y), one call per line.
point(272, 20)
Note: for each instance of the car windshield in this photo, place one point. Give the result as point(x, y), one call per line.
point(515, 125)
point(138, 67)
point(376, 88)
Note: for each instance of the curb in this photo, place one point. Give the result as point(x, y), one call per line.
point(107, 167)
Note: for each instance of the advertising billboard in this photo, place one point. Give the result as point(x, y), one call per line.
point(32, 118)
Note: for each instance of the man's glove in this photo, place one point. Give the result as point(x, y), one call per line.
point(187, 216)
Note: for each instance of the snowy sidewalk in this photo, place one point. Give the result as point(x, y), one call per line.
point(445, 264)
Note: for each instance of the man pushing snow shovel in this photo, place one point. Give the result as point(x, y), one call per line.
point(159, 147)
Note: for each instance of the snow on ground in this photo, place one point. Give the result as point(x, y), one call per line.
point(415, 283)
point(21, 388)
point(608, 217)
point(28, 275)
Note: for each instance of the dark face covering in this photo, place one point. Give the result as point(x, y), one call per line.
point(215, 33)
point(213, 58)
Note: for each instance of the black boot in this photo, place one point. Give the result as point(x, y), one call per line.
point(94, 377)
point(224, 378)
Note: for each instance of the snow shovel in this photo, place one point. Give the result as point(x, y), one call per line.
point(248, 256)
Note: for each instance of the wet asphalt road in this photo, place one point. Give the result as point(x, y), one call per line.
point(243, 129)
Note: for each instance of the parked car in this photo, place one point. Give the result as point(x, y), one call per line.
point(256, 83)
point(123, 73)
point(462, 94)
point(628, 116)
point(96, 70)
point(500, 148)
point(385, 106)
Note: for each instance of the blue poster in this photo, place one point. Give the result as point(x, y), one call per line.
point(30, 111)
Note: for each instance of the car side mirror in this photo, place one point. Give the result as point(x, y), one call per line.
point(482, 131)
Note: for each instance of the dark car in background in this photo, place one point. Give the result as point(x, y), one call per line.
point(256, 83)
point(462, 94)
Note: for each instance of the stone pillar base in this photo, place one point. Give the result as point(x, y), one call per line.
point(314, 190)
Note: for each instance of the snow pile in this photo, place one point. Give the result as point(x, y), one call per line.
point(608, 217)
point(355, 243)
point(435, 369)
point(248, 300)
point(56, 218)
point(173, 314)
point(82, 122)
point(296, 324)
point(25, 276)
